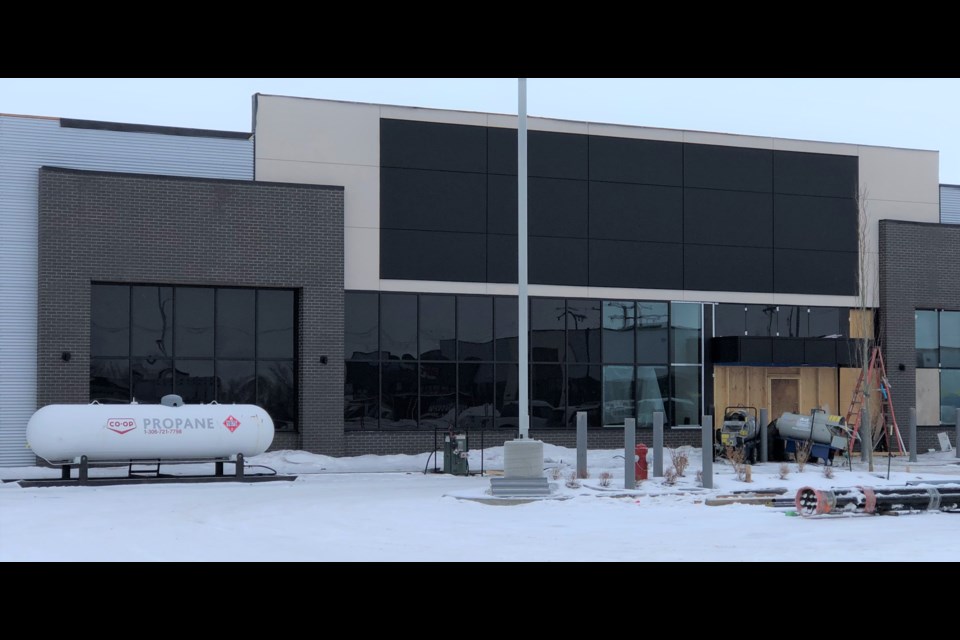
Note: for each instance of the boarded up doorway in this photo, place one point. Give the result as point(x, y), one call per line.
point(784, 396)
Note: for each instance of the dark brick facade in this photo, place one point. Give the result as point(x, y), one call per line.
point(129, 228)
point(919, 269)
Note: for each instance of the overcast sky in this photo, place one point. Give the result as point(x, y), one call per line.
point(912, 112)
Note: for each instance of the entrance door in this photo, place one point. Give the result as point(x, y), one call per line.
point(784, 396)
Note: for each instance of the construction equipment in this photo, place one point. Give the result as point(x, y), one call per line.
point(741, 429)
point(825, 434)
point(876, 378)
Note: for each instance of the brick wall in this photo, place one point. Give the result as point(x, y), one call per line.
point(919, 269)
point(129, 228)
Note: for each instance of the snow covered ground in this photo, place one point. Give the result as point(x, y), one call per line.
point(384, 508)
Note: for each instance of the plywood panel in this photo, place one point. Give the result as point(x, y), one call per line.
point(928, 397)
point(784, 395)
point(861, 323)
point(750, 386)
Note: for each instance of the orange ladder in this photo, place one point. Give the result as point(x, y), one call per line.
point(876, 376)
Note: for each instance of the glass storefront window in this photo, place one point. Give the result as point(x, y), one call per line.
point(618, 394)
point(729, 320)
point(686, 396)
point(928, 339)
point(438, 327)
point(619, 327)
point(583, 331)
point(361, 325)
point(109, 320)
point(193, 327)
point(653, 388)
point(475, 328)
point(949, 395)
point(950, 339)
point(547, 329)
point(685, 332)
point(398, 326)
point(652, 332)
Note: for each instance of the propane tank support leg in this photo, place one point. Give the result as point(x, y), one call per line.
point(218, 470)
point(83, 469)
point(239, 467)
point(65, 472)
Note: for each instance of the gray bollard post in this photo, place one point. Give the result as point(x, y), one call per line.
point(658, 444)
point(581, 444)
point(629, 453)
point(707, 443)
point(764, 415)
point(956, 438)
point(912, 434)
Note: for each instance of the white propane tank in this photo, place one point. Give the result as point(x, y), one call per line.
point(61, 433)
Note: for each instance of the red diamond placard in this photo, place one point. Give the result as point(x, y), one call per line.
point(231, 423)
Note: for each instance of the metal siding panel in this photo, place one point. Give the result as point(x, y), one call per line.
point(26, 144)
point(950, 204)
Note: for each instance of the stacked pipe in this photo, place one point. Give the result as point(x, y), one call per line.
point(815, 502)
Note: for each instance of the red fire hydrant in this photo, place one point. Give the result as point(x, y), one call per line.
point(641, 454)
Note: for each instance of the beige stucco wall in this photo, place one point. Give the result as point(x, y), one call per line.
point(330, 142)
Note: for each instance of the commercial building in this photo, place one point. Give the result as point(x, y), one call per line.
point(352, 268)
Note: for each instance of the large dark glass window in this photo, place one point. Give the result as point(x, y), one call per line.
point(547, 398)
point(547, 322)
point(950, 339)
point(583, 331)
point(584, 390)
point(275, 324)
point(151, 321)
point(791, 321)
point(928, 339)
point(109, 320)
point(110, 379)
point(438, 395)
point(194, 381)
point(686, 395)
point(361, 395)
point(761, 320)
point(361, 325)
point(619, 327)
point(729, 320)
point(506, 398)
point(949, 395)
point(475, 328)
point(438, 327)
point(618, 394)
point(204, 343)
point(398, 395)
point(824, 321)
point(236, 323)
point(506, 329)
point(652, 332)
point(194, 322)
point(653, 388)
point(475, 406)
point(685, 321)
point(398, 326)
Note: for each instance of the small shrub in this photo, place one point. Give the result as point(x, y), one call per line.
point(680, 459)
point(555, 473)
point(827, 471)
point(670, 476)
point(737, 457)
point(572, 481)
point(748, 474)
point(605, 478)
point(802, 455)
point(699, 477)
point(784, 470)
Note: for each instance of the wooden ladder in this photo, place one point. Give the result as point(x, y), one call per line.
point(876, 377)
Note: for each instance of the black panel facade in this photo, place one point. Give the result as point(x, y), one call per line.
point(462, 179)
point(558, 261)
point(813, 222)
point(146, 230)
point(727, 218)
point(654, 265)
point(556, 155)
point(636, 161)
point(433, 200)
point(432, 145)
point(732, 168)
point(639, 213)
point(815, 174)
point(432, 255)
point(728, 268)
point(819, 272)
point(557, 207)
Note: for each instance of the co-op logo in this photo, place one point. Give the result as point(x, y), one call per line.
point(121, 425)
